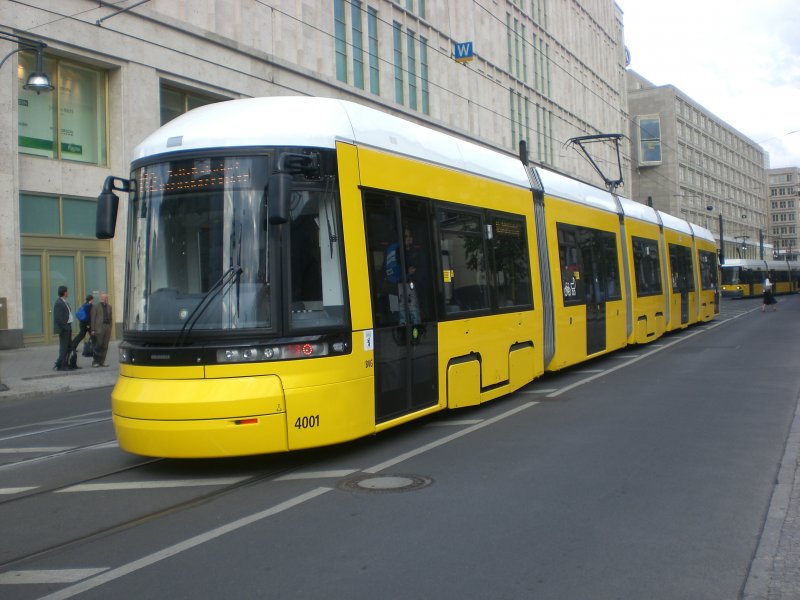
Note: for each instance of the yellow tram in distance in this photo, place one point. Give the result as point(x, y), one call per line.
point(744, 278)
point(305, 271)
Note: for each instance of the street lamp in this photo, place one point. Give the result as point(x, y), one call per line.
point(710, 207)
point(743, 247)
point(38, 81)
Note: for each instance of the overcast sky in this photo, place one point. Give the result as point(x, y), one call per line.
point(739, 59)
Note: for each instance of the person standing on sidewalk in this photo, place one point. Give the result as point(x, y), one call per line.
point(62, 319)
point(102, 321)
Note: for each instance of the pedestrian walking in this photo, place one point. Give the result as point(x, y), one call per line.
point(768, 296)
point(62, 321)
point(84, 316)
point(102, 321)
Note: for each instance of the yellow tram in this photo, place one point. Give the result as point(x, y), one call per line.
point(744, 278)
point(306, 271)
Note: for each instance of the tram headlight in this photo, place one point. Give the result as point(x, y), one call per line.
point(272, 353)
point(124, 356)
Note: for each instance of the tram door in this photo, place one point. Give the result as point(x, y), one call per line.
point(680, 259)
point(590, 275)
point(595, 295)
point(403, 310)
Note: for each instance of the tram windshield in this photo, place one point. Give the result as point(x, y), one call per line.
point(731, 275)
point(200, 251)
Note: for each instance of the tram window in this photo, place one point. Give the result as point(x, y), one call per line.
point(680, 260)
point(610, 265)
point(394, 245)
point(780, 276)
point(708, 270)
point(463, 261)
point(571, 260)
point(730, 275)
point(646, 266)
point(317, 295)
point(511, 265)
point(382, 233)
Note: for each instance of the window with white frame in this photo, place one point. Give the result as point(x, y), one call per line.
point(650, 140)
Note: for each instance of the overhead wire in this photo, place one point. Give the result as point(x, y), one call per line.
point(515, 81)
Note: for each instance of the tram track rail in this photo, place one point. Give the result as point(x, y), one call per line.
point(140, 519)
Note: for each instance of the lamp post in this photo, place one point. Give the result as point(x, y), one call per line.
point(721, 236)
point(38, 81)
point(743, 247)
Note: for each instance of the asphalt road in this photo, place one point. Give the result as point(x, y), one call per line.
point(644, 474)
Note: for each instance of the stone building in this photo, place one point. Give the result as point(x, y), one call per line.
point(688, 162)
point(493, 71)
point(784, 211)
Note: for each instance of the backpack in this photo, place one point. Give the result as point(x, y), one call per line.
point(81, 314)
point(391, 263)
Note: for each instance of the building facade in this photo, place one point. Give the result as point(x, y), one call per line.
point(493, 71)
point(784, 211)
point(688, 162)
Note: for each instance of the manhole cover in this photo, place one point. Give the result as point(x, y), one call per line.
point(385, 483)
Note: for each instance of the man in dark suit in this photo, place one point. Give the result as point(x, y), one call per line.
point(62, 320)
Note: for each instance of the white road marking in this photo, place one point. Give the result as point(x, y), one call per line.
point(34, 449)
point(639, 357)
point(587, 371)
point(540, 391)
point(16, 490)
point(193, 542)
point(454, 423)
point(48, 576)
point(316, 474)
point(111, 444)
point(453, 436)
point(149, 485)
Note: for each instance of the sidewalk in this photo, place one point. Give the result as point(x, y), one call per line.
point(29, 372)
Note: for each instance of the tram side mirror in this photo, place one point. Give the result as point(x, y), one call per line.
point(107, 206)
point(279, 193)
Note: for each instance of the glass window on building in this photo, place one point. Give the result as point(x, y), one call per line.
point(175, 102)
point(57, 216)
point(69, 124)
point(374, 63)
point(650, 140)
point(398, 62)
point(358, 44)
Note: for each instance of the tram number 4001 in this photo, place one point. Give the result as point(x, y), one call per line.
point(307, 422)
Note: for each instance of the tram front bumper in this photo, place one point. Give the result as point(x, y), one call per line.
point(200, 418)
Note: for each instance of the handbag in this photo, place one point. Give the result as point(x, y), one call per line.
point(88, 348)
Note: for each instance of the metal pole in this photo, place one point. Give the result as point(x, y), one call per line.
point(761, 244)
point(721, 242)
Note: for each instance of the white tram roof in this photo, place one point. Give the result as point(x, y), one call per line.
point(637, 210)
point(702, 233)
point(555, 184)
point(751, 263)
point(320, 123)
point(675, 223)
